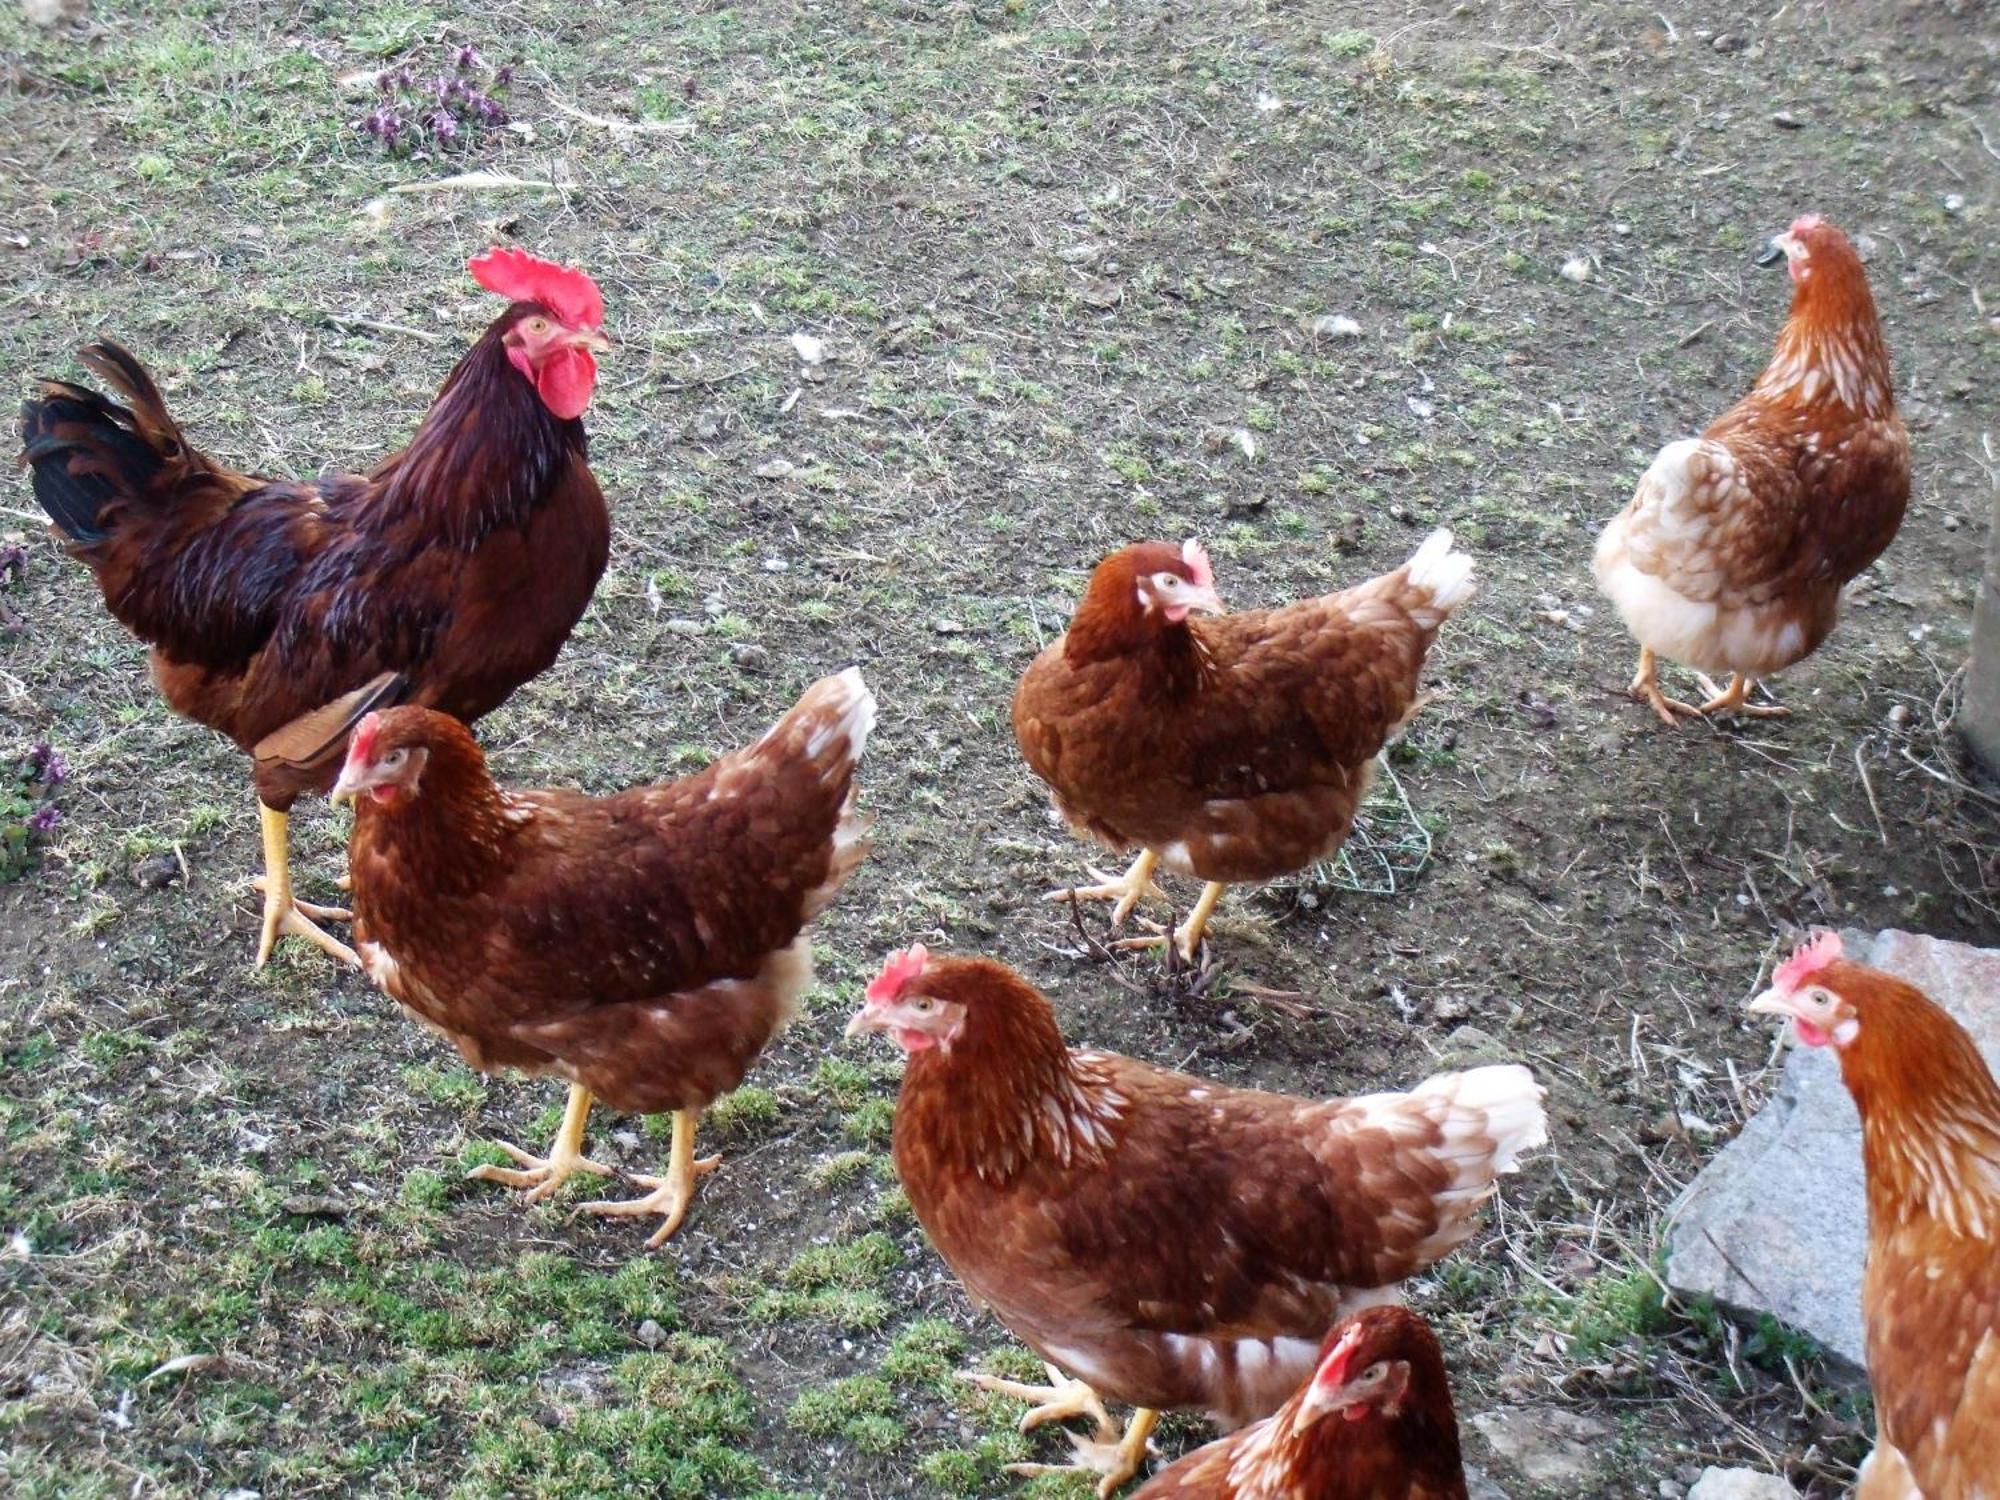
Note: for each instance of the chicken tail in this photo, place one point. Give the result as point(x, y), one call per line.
point(89, 455)
point(1475, 1125)
point(1439, 576)
point(827, 729)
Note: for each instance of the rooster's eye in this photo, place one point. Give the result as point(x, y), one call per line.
point(538, 326)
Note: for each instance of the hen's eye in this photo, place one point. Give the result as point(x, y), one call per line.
point(1375, 1372)
point(394, 759)
point(922, 1005)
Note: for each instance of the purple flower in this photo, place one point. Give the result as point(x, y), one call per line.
point(385, 81)
point(13, 562)
point(45, 817)
point(468, 57)
point(46, 765)
point(504, 76)
point(444, 126)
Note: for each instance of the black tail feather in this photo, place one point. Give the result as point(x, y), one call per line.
point(84, 453)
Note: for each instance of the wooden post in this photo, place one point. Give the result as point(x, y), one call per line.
point(1979, 715)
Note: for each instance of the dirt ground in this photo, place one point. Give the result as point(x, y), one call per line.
point(1074, 267)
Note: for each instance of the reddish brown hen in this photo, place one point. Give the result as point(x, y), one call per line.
point(1374, 1421)
point(279, 612)
point(644, 946)
point(1167, 1241)
point(1732, 555)
point(1233, 748)
point(1930, 1143)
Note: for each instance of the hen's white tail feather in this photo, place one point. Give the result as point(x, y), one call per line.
point(1493, 1116)
point(1444, 574)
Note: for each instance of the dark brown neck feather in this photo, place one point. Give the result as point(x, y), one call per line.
point(487, 453)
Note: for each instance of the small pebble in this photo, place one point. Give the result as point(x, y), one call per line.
point(1784, 119)
point(156, 872)
point(1954, 203)
point(1727, 41)
point(651, 1334)
point(1951, 523)
point(1576, 268)
point(1900, 715)
point(1336, 326)
point(752, 658)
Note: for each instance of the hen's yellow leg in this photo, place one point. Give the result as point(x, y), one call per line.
point(672, 1193)
point(1733, 699)
point(1114, 1456)
point(1187, 936)
point(542, 1175)
point(284, 916)
point(1128, 890)
point(1646, 688)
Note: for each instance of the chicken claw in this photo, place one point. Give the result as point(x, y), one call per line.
point(1186, 937)
point(672, 1193)
point(1128, 890)
point(1731, 700)
point(1114, 1456)
point(1058, 1401)
point(1646, 688)
point(283, 915)
point(544, 1174)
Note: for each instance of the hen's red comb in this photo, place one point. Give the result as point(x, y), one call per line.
point(898, 970)
point(362, 741)
point(1806, 221)
point(1809, 960)
point(520, 277)
point(1333, 1368)
point(1196, 557)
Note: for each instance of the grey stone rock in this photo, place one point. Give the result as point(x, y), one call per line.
point(1778, 1222)
point(1479, 1487)
point(1546, 1444)
point(1741, 1484)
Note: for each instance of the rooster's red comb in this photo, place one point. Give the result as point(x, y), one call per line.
point(520, 277)
point(1199, 568)
point(1809, 960)
point(898, 970)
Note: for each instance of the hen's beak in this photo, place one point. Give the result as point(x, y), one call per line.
point(1203, 601)
point(347, 788)
point(866, 1020)
point(1773, 253)
point(1771, 1003)
point(595, 340)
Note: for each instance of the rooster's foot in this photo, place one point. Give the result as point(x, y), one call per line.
point(1059, 1401)
point(1128, 890)
point(283, 916)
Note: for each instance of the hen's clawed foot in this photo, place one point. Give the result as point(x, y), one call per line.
point(1734, 699)
point(671, 1194)
point(1128, 890)
point(1115, 1457)
point(1187, 937)
point(542, 1175)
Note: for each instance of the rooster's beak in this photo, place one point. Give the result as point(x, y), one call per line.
point(594, 340)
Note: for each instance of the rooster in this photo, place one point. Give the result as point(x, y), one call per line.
point(1930, 1299)
point(1732, 555)
point(280, 611)
point(644, 946)
point(1233, 748)
point(1168, 1241)
point(1382, 1375)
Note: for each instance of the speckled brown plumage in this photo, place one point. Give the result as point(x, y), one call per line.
point(1404, 1450)
point(1732, 553)
point(1237, 747)
point(645, 945)
point(1174, 1242)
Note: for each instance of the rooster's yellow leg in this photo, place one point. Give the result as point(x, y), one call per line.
point(1187, 936)
point(542, 1175)
point(283, 916)
point(1135, 885)
point(672, 1193)
point(1114, 1457)
point(1733, 699)
point(1646, 688)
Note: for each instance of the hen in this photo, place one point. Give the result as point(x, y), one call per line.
point(448, 576)
point(644, 946)
point(1732, 555)
point(1930, 1299)
point(1169, 1242)
point(1381, 1372)
point(1235, 748)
